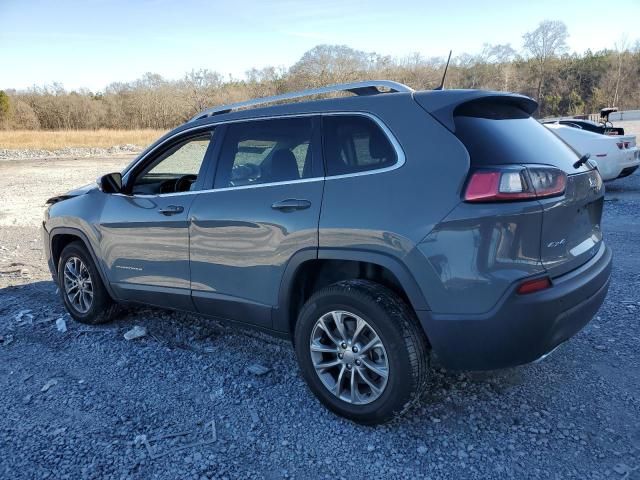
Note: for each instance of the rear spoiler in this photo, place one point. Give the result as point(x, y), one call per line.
point(442, 104)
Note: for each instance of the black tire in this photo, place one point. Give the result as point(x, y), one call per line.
point(102, 308)
point(395, 324)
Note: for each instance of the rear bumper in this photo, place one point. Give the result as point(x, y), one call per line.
point(521, 328)
point(628, 159)
point(612, 165)
point(628, 171)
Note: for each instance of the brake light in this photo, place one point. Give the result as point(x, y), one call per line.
point(502, 184)
point(532, 286)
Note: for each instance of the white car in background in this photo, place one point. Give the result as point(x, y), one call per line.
point(616, 155)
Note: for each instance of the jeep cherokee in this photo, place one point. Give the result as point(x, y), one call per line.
point(375, 230)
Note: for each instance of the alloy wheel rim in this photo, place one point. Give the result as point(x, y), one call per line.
point(349, 357)
point(78, 286)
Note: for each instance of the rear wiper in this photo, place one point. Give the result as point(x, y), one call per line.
point(583, 159)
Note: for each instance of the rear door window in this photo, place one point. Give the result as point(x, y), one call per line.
point(266, 151)
point(354, 143)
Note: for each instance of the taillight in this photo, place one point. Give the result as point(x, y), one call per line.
point(502, 184)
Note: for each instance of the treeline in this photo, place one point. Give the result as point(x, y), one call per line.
point(563, 83)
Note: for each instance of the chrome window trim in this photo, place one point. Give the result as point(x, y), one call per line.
point(400, 156)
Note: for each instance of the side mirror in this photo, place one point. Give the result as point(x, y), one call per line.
point(111, 182)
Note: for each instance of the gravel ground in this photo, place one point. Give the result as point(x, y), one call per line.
point(86, 403)
point(631, 127)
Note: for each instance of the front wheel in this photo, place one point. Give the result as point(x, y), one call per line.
point(362, 351)
point(81, 287)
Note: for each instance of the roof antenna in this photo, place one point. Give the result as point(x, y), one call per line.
point(444, 75)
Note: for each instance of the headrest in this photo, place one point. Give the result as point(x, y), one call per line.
point(379, 146)
point(284, 166)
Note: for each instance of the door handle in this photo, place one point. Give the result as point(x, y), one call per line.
point(171, 210)
point(291, 204)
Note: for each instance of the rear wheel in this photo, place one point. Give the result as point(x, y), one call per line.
point(361, 351)
point(81, 287)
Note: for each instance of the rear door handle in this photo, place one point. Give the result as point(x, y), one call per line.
point(291, 204)
point(171, 210)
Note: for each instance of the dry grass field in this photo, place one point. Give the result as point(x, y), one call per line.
point(54, 140)
point(104, 138)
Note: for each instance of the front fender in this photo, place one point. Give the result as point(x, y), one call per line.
point(57, 231)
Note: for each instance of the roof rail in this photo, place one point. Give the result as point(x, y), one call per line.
point(369, 87)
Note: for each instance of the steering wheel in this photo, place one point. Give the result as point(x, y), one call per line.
point(183, 184)
point(168, 186)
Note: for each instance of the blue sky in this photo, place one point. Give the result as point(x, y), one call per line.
point(92, 43)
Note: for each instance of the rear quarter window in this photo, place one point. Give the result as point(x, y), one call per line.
point(354, 143)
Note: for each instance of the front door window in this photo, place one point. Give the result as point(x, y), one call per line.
point(176, 169)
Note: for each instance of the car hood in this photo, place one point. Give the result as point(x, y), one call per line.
point(73, 193)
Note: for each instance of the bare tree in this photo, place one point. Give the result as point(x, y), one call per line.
point(199, 87)
point(22, 116)
point(543, 44)
point(570, 84)
point(5, 108)
point(621, 48)
point(325, 63)
point(267, 81)
point(502, 56)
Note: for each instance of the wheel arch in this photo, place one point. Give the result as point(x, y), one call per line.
point(60, 237)
point(306, 268)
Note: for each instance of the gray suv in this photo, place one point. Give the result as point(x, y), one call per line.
point(376, 230)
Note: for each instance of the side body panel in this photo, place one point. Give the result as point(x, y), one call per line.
point(146, 254)
point(388, 213)
point(478, 251)
point(240, 247)
point(79, 216)
point(144, 237)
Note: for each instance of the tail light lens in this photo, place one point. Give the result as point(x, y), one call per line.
point(503, 184)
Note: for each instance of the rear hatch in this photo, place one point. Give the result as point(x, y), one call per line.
point(499, 132)
point(571, 233)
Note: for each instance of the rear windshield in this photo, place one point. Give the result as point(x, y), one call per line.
point(497, 134)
